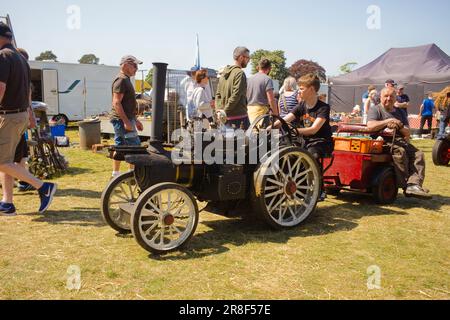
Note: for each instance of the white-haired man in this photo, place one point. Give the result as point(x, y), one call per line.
point(409, 162)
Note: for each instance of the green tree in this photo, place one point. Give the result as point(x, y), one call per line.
point(303, 67)
point(348, 67)
point(89, 59)
point(149, 77)
point(279, 71)
point(47, 55)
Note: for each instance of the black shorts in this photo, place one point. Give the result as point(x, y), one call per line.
point(21, 150)
point(319, 149)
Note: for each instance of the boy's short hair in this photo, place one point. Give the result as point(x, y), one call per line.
point(310, 80)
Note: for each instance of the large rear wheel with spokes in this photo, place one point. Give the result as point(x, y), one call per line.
point(286, 188)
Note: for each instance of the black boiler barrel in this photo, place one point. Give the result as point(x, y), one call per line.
point(159, 88)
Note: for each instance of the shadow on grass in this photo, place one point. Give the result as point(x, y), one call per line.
point(402, 202)
point(339, 217)
point(79, 193)
point(84, 217)
point(74, 171)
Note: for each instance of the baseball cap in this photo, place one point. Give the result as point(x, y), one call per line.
point(390, 81)
point(5, 31)
point(195, 68)
point(401, 86)
point(130, 58)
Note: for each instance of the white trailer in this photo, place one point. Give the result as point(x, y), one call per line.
point(73, 91)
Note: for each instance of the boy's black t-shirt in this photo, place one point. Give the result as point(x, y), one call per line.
point(306, 118)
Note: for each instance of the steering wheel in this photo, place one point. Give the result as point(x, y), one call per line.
point(289, 133)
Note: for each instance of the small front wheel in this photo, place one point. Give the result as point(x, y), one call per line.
point(165, 218)
point(384, 189)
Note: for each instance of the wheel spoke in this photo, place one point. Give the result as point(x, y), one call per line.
point(120, 197)
point(162, 235)
point(155, 208)
point(152, 227)
point(124, 192)
point(271, 203)
point(281, 215)
point(304, 173)
point(148, 213)
point(117, 202)
point(177, 213)
point(169, 204)
point(289, 167)
point(297, 166)
point(292, 213)
point(156, 235)
point(301, 194)
point(131, 189)
point(301, 180)
point(275, 193)
point(176, 229)
point(278, 203)
point(278, 183)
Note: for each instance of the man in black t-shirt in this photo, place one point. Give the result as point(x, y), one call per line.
point(313, 116)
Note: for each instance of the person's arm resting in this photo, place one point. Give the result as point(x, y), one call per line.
point(377, 125)
point(314, 128)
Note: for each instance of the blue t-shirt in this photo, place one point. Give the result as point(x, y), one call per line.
point(428, 106)
point(365, 96)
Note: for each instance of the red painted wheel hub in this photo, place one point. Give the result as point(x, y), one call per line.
point(169, 220)
point(291, 188)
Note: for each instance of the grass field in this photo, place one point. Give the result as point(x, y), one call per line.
point(326, 258)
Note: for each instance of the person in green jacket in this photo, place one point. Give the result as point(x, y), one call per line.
point(231, 95)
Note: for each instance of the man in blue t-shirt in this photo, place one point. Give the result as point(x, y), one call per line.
point(426, 112)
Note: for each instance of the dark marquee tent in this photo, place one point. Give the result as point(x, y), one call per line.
point(420, 69)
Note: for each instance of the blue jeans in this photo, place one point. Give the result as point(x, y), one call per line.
point(442, 126)
point(123, 137)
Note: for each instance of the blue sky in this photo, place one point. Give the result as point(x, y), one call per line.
point(327, 31)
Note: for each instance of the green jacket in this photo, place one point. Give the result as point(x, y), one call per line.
point(231, 93)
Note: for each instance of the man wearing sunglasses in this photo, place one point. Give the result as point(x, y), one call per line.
point(123, 113)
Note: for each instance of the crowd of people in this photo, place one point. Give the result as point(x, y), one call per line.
point(428, 110)
point(242, 100)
